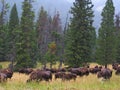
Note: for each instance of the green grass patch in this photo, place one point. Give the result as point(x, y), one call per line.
point(4, 64)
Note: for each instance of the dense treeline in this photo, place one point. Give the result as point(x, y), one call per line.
point(25, 41)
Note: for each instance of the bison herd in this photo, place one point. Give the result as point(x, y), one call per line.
point(65, 74)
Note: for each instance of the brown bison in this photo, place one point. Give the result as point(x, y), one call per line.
point(95, 69)
point(59, 75)
point(79, 71)
point(69, 76)
point(40, 75)
point(25, 70)
point(84, 71)
point(3, 77)
point(7, 72)
point(54, 70)
point(115, 66)
point(117, 71)
point(62, 70)
point(106, 73)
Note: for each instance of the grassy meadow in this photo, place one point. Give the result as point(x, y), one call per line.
point(91, 82)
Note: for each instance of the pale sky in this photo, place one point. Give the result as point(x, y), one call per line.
point(63, 6)
point(70, 1)
point(99, 4)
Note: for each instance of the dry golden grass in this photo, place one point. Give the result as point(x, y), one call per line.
point(91, 82)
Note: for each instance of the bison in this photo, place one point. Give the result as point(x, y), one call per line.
point(106, 73)
point(69, 76)
point(95, 69)
point(40, 75)
point(7, 72)
point(117, 71)
point(3, 77)
point(25, 70)
point(76, 71)
point(115, 66)
point(59, 75)
point(62, 70)
point(79, 71)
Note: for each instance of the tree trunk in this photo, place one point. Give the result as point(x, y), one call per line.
point(60, 65)
point(44, 66)
point(105, 65)
point(50, 65)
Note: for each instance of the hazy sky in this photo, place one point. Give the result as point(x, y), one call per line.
point(99, 4)
point(63, 6)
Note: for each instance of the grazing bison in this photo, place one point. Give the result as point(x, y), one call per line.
point(7, 72)
point(25, 70)
point(117, 71)
point(115, 66)
point(76, 71)
point(54, 70)
point(69, 76)
point(59, 75)
point(79, 71)
point(62, 70)
point(45, 75)
point(3, 77)
point(84, 71)
point(105, 73)
point(95, 69)
point(39, 75)
point(33, 76)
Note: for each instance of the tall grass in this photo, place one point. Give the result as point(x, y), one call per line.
point(91, 82)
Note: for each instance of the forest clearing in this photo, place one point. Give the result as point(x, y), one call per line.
point(40, 50)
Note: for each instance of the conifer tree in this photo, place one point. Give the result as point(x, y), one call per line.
point(3, 30)
point(79, 35)
point(12, 33)
point(117, 33)
point(106, 39)
point(26, 46)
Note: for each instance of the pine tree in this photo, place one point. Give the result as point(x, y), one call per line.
point(3, 30)
point(106, 39)
point(12, 33)
point(117, 58)
point(93, 45)
point(117, 33)
point(79, 35)
point(26, 46)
